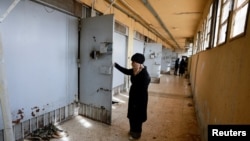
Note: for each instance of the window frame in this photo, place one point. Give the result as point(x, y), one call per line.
point(234, 12)
point(217, 22)
point(225, 22)
point(209, 27)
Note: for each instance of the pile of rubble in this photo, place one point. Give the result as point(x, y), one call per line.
point(46, 133)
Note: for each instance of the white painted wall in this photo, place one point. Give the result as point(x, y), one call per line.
point(167, 60)
point(138, 46)
point(119, 56)
point(96, 73)
point(153, 53)
point(40, 52)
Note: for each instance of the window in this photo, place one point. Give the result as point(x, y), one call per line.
point(218, 4)
point(202, 36)
point(121, 28)
point(215, 28)
point(239, 17)
point(208, 27)
point(226, 7)
point(199, 41)
point(89, 12)
point(195, 44)
point(86, 12)
point(139, 36)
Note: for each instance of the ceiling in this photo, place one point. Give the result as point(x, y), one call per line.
point(173, 21)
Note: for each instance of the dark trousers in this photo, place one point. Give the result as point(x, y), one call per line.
point(175, 71)
point(135, 126)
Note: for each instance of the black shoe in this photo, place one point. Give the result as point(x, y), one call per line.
point(134, 135)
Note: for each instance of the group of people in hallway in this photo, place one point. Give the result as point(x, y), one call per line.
point(180, 66)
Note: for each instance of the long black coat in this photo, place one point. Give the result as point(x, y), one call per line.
point(138, 93)
point(182, 67)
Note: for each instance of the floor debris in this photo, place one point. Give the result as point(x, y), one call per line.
point(46, 133)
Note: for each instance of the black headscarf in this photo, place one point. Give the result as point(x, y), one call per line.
point(138, 57)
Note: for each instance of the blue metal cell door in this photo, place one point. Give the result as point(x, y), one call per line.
point(96, 47)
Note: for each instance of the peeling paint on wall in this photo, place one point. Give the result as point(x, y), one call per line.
point(19, 116)
point(35, 110)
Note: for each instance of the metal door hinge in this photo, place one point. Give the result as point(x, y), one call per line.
point(78, 63)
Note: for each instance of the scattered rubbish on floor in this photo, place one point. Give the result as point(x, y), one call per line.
point(46, 133)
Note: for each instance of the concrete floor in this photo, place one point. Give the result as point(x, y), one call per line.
point(171, 117)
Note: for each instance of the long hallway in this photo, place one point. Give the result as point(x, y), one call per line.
point(171, 117)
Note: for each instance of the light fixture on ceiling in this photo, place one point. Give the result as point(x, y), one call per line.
point(185, 13)
point(175, 28)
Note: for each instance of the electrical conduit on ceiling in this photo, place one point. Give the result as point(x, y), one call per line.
point(138, 18)
point(151, 9)
point(147, 23)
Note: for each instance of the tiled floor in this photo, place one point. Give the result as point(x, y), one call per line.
point(171, 117)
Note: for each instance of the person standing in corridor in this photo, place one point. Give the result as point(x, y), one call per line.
point(138, 94)
point(176, 66)
point(182, 67)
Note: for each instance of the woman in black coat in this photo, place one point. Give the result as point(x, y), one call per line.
point(138, 94)
point(176, 66)
point(182, 67)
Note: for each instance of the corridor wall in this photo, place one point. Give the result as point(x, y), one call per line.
point(220, 81)
point(40, 53)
